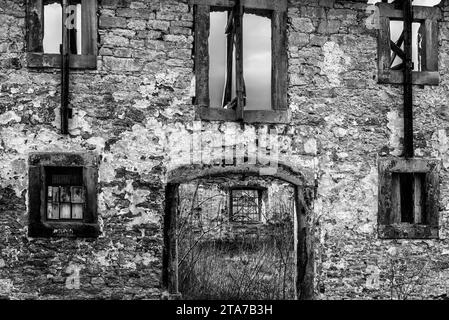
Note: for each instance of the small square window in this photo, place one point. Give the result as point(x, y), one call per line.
point(408, 198)
point(46, 23)
point(424, 44)
point(62, 195)
point(246, 205)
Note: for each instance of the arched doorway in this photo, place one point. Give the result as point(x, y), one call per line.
point(303, 197)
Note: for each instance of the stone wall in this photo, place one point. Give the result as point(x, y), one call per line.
point(135, 111)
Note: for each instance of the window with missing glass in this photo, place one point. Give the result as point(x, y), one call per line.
point(246, 205)
point(408, 198)
point(424, 44)
point(52, 24)
point(63, 194)
point(241, 60)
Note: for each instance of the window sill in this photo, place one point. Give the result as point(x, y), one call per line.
point(408, 231)
point(249, 116)
point(418, 77)
point(47, 60)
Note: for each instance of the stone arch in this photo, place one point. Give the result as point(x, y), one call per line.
point(304, 193)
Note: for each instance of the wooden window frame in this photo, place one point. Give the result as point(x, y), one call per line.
point(39, 224)
point(389, 215)
point(279, 112)
point(428, 17)
point(36, 58)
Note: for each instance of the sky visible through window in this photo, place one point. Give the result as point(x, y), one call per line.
point(396, 28)
point(256, 60)
point(53, 28)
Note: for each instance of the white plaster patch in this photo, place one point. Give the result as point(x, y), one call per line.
point(78, 123)
point(372, 281)
point(335, 62)
point(6, 286)
point(8, 117)
point(310, 146)
point(396, 127)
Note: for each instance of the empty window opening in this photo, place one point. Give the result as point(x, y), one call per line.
point(409, 197)
point(65, 193)
point(257, 64)
point(397, 45)
point(257, 61)
point(53, 26)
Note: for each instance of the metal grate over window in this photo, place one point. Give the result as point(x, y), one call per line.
point(245, 205)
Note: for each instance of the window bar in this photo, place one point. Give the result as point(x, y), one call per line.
point(239, 58)
point(65, 71)
point(408, 67)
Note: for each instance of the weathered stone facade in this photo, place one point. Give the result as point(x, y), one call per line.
point(135, 111)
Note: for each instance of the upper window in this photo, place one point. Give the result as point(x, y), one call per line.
point(241, 60)
point(424, 44)
point(408, 198)
point(46, 23)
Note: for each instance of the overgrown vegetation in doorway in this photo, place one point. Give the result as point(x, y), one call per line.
point(222, 259)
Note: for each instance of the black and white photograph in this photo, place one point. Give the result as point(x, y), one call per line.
point(224, 158)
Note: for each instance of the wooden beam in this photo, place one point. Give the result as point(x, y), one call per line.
point(239, 81)
point(170, 250)
point(65, 71)
point(408, 90)
point(305, 255)
point(202, 24)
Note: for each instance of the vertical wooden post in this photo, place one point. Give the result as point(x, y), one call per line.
point(305, 256)
point(230, 35)
point(408, 67)
point(170, 252)
point(65, 71)
point(239, 82)
point(201, 29)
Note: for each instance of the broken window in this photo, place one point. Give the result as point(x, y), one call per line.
point(256, 84)
point(62, 194)
point(65, 193)
point(55, 24)
point(235, 45)
point(424, 43)
point(408, 198)
point(246, 205)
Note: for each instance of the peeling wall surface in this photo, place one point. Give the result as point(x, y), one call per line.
point(135, 111)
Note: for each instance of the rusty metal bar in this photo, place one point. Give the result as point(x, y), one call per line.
point(65, 71)
point(408, 90)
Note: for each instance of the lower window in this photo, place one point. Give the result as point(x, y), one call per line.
point(63, 195)
point(408, 198)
